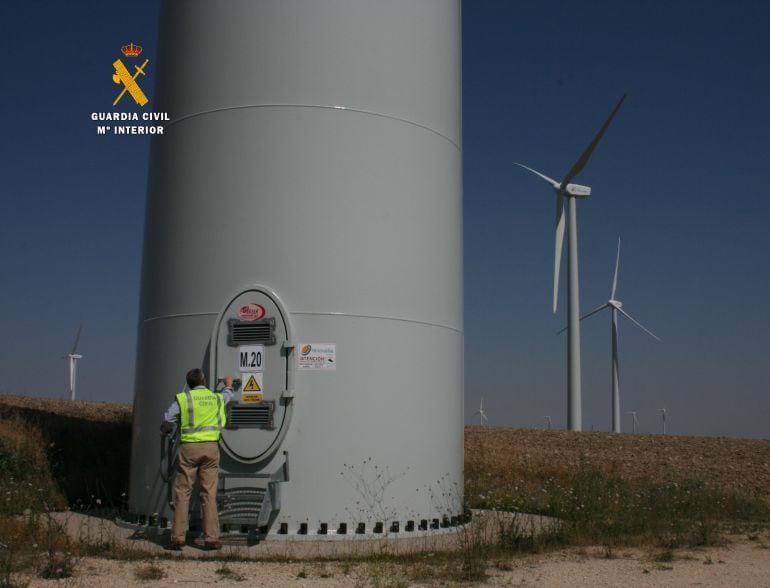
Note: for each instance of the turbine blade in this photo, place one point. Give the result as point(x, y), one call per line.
point(559, 246)
point(638, 324)
point(554, 183)
point(581, 162)
point(593, 312)
point(77, 340)
point(615, 278)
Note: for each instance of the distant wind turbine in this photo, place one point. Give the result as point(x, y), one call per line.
point(482, 415)
point(73, 357)
point(566, 190)
point(635, 422)
point(664, 416)
point(617, 307)
point(548, 421)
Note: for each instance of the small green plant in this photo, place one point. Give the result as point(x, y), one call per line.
point(518, 534)
point(57, 566)
point(324, 572)
point(595, 507)
point(26, 483)
point(474, 551)
point(151, 572)
point(371, 483)
point(666, 555)
point(16, 550)
point(384, 574)
point(224, 571)
point(302, 574)
point(59, 557)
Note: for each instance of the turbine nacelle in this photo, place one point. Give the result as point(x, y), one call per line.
point(577, 191)
point(565, 189)
point(615, 303)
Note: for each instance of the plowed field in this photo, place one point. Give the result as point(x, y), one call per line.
point(503, 456)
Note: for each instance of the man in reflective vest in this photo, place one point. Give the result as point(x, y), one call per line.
point(201, 417)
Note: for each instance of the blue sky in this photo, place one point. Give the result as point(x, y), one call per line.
point(681, 175)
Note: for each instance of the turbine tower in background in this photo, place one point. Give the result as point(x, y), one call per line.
point(634, 422)
point(73, 357)
point(482, 415)
point(617, 308)
point(568, 191)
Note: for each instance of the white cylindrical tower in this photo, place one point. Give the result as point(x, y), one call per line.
point(304, 234)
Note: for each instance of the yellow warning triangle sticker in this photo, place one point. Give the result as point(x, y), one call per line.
point(252, 385)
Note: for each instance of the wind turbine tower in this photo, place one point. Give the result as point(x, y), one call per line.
point(617, 308)
point(635, 422)
point(565, 190)
point(664, 417)
point(73, 356)
point(482, 415)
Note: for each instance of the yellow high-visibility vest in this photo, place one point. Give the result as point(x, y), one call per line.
point(202, 415)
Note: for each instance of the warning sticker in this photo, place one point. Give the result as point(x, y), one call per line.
point(252, 385)
point(317, 356)
point(252, 388)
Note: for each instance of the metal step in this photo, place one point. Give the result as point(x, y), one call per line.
point(240, 505)
point(251, 500)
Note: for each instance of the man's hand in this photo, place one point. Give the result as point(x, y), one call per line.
point(228, 381)
point(166, 428)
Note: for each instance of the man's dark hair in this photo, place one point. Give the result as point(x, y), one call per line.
point(195, 378)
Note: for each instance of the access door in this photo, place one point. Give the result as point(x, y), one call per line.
point(250, 347)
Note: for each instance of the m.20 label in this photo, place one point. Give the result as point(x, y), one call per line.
point(251, 358)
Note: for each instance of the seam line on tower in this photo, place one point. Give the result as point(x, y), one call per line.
point(320, 106)
point(180, 315)
point(374, 316)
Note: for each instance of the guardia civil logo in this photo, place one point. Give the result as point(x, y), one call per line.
point(128, 115)
point(128, 81)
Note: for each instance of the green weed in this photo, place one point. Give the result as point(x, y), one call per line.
point(149, 573)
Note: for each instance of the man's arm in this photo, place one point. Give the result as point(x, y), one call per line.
point(227, 391)
point(170, 418)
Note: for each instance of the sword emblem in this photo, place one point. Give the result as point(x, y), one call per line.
point(122, 76)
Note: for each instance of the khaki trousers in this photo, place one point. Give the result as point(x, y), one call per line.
point(201, 461)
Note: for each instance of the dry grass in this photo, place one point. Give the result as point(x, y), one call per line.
point(26, 483)
point(604, 489)
point(517, 462)
point(46, 408)
point(612, 489)
point(82, 441)
point(508, 457)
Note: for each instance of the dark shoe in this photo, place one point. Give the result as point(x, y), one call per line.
point(212, 545)
point(174, 546)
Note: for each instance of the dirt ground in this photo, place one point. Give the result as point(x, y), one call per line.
point(742, 465)
point(743, 562)
point(112, 412)
point(505, 454)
